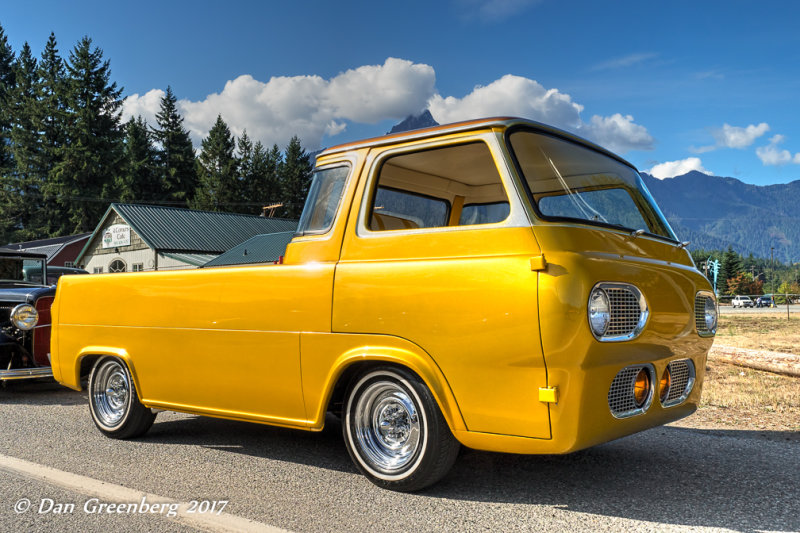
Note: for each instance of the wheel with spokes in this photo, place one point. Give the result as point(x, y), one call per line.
point(395, 432)
point(113, 402)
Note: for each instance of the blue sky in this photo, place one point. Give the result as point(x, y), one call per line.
point(672, 86)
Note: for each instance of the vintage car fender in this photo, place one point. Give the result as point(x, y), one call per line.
point(74, 381)
point(327, 357)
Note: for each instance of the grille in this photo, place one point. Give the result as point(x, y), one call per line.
point(700, 314)
point(621, 400)
point(5, 313)
point(627, 311)
point(681, 381)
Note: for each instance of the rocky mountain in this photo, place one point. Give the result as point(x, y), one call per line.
point(715, 212)
point(415, 122)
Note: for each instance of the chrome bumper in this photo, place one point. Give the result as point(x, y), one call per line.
point(26, 373)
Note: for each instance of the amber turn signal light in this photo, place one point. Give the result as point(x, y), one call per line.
point(664, 384)
point(641, 388)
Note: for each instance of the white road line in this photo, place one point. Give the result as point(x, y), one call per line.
point(112, 493)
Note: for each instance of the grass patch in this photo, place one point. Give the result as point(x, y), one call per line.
point(760, 332)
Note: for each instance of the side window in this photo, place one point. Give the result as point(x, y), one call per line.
point(450, 186)
point(324, 196)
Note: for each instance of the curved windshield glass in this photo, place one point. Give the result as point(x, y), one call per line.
point(573, 182)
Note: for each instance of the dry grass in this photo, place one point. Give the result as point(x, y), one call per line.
point(741, 398)
point(761, 332)
point(746, 399)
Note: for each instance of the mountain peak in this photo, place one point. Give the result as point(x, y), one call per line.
point(415, 122)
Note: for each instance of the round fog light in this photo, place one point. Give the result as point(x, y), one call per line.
point(664, 384)
point(24, 316)
point(641, 388)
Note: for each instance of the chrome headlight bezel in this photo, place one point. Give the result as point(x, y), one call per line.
point(24, 317)
point(599, 312)
point(706, 315)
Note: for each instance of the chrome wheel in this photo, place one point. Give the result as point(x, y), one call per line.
point(387, 426)
point(394, 430)
point(111, 391)
point(113, 402)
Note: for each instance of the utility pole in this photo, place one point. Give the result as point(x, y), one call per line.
point(772, 262)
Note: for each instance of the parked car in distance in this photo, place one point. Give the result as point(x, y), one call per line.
point(768, 300)
point(741, 301)
point(498, 284)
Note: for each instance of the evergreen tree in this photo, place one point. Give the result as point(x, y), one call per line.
point(140, 181)
point(84, 178)
point(730, 266)
point(295, 177)
point(24, 182)
point(51, 120)
point(7, 220)
point(176, 154)
point(217, 171)
point(263, 187)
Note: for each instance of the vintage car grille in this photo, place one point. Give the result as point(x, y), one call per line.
point(5, 313)
point(628, 312)
point(621, 400)
point(682, 376)
point(700, 314)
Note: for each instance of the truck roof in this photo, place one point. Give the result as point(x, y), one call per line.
point(469, 125)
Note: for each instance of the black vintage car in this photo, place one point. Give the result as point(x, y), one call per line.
point(27, 289)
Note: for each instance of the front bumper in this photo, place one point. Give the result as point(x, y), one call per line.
point(26, 373)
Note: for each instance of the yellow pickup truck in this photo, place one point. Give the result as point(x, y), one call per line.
point(498, 284)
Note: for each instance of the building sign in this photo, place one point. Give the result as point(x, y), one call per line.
point(117, 235)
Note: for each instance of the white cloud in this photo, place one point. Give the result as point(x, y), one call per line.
point(307, 106)
point(146, 105)
point(670, 169)
point(772, 155)
point(493, 10)
point(313, 108)
point(523, 97)
point(734, 137)
point(617, 133)
point(510, 96)
point(624, 62)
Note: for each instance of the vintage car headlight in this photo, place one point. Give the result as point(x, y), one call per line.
point(599, 313)
point(710, 315)
point(24, 316)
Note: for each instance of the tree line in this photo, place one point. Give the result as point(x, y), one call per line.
point(65, 153)
point(748, 275)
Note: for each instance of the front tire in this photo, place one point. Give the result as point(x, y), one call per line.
point(394, 431)
point(113, 402)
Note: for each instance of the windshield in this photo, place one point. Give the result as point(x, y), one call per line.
point(323, 199)
point(21, 270)
point(573, 182)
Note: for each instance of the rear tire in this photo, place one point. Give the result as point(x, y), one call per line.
point(395, 432)
point(113, 401)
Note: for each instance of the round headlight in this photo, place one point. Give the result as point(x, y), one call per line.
point(599, 314)
point(24, 316)
point(711, 315)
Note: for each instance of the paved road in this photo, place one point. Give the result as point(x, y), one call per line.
point(794, 310)
point(665, 479)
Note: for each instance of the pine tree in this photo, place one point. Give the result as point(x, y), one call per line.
point(24, 183)
point(140, 181)
point(7, 220)
point(51, 119)
point(217, 171)
point(84, 178)
point(730, 266)
point(295, 177)
point(176, 155)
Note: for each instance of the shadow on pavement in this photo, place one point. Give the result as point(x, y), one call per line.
point(739, 480)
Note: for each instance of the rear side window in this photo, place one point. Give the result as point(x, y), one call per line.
point(450, 186)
